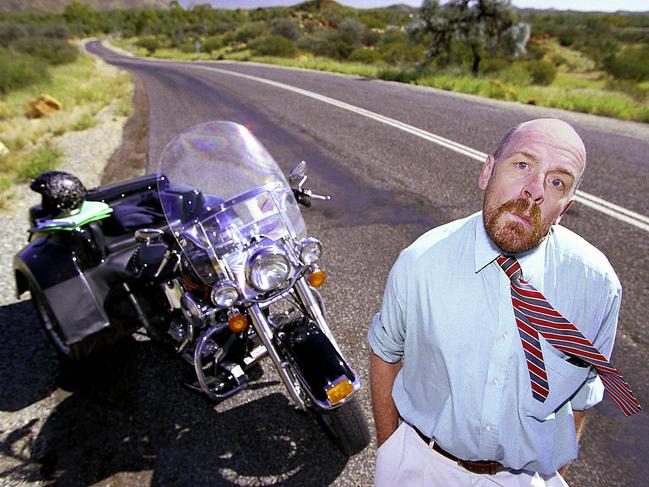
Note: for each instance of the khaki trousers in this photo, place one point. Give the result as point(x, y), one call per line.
point(404, 460)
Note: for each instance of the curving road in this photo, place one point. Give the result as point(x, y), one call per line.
point(397, 160)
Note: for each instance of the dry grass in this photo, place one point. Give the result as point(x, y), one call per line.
point(83, 88)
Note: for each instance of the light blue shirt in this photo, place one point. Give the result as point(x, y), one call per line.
point(447, 311)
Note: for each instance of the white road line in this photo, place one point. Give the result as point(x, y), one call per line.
point(586, 199)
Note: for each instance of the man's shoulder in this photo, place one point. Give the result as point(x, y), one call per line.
point(573, 249)
point(438, 239)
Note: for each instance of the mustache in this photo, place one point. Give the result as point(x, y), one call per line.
point(521, 206)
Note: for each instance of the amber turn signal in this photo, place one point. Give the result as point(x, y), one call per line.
point(317, 278)
point(237, 323)
point(340, 390)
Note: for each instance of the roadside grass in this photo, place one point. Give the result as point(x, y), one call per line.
point(576, 87)
point(83, 88)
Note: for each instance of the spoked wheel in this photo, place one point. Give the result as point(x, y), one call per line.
point(53, 331)
point(347, 426)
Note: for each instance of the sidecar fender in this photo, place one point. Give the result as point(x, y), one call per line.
point(52, 269)
point(317, 362)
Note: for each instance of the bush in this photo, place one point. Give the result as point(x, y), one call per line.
point(514, 74)
point(634, 90)
point(542, 72)
point(316, 43)
point(10, 31)
point(365, 55)
point(151, 44)
point(274, 46)
point(211, 44)
point(52, 51)
point(631, 63)
point(285, 27)
point(250, 31)
point(57, 31)
point(18, 70)
point(45, 158)
point(401, 75)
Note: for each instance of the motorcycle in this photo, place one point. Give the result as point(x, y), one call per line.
point(209, 255)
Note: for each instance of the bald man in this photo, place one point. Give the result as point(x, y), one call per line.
point(456, 393)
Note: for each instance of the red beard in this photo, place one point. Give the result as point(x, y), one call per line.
point(515, 236)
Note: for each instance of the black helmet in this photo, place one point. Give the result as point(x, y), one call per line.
point(61, 191)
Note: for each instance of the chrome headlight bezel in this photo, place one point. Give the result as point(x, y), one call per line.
point(263, 261)
point(309, 250)
point(224, 294)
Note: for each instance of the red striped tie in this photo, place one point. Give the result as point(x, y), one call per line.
point(535, 315)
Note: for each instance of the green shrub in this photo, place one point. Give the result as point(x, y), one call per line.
point(639, 93)
point(10, 31)
point(365, 55)
point(57, 31)
point(18, 70)
point(542, 72)
point(211, 44)
point(325, 44)
point(631, 63)
point(515, 74)
point(50, 50)
point(85, 122)
point(250, 31)
point(401, 75)
point(151, 44)
point(274, 46)
point(285, 27)
point(489, 66)
point(45, 158)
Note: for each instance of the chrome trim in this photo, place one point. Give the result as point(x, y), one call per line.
point(265, 334)
point(305, 293)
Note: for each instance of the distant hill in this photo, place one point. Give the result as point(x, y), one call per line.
point(54, 6)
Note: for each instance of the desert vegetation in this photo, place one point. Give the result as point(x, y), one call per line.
point(589, 62)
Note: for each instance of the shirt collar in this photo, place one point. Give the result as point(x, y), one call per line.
point(486, 251)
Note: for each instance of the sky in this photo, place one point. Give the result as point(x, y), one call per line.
point(585, 5)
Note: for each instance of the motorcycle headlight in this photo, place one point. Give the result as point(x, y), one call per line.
point(268, 270)
point(310, 250)
point(224, 294)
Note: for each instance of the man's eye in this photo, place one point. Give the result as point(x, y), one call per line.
point(557, 183)
point(522, 165)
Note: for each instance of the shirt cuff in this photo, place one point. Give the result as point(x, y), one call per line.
point(591, 393)
point(381, 343)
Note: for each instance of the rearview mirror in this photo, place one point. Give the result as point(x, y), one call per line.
point(297, 176)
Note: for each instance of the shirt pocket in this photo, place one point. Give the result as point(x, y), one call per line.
point(564, 380)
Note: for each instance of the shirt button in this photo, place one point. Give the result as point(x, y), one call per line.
point(495, 382)
point(488, 428)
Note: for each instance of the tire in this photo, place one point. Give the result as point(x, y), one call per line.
point(52, 330)
point(347, 427)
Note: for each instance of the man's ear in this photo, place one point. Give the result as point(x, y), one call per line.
point(563, 212)
point(485, 172)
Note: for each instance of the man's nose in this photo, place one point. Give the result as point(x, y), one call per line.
point(534, 190)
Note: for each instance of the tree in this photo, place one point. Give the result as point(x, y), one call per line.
point(481, 25)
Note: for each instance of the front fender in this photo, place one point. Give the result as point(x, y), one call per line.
point(51, 267)
point(316, 361)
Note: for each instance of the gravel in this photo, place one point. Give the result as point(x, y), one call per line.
point(85, 155)
point(29, 393)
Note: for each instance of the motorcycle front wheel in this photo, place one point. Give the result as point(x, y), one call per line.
point(347, 427)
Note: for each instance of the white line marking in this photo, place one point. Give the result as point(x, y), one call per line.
point(586, 199)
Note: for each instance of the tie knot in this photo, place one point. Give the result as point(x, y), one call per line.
point(511, 267)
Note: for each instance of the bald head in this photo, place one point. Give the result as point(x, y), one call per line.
point(557, 133)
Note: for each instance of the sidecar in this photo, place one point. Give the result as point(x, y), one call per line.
point(75, 268)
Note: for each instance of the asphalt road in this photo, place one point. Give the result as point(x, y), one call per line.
point(129, 422)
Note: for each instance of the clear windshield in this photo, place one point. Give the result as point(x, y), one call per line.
point(222, 191)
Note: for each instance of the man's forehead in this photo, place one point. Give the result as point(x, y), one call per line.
point(551, 134)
